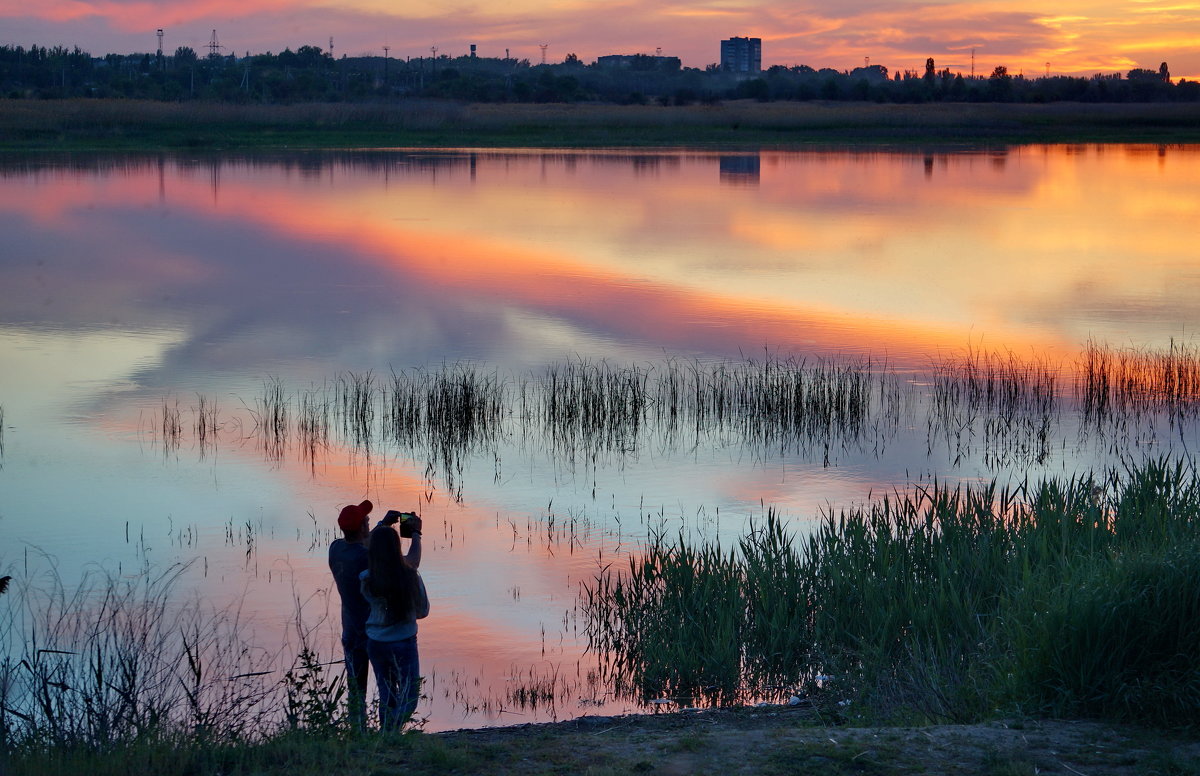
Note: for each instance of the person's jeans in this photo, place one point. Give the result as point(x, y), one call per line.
point(355, 649)
point(398, 677)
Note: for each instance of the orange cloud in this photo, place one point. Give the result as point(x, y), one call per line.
point(143, 15)
point(1077, 38)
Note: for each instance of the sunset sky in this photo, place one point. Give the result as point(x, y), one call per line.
point(1073, 36)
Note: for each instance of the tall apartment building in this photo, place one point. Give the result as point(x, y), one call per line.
point(741, 55)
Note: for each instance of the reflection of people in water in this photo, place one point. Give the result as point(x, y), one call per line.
point(347, 560)
point(396, 594)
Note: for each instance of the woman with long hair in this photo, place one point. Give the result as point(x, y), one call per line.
point(397, 597)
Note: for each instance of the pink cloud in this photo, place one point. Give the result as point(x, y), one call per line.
point(1076, 40)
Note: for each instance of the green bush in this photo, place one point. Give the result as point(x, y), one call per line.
point(1119, 639)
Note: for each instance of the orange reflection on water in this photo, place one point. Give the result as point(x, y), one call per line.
point(1031, 249)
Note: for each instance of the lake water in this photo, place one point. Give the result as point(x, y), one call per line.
point(155, 310)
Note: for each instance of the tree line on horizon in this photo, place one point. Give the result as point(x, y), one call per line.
point(311, 74)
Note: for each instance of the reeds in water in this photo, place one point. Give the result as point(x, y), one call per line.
point(784, 404)
point(172, 427)
point(1007, 407)
point(944, 602)
point(1118, 381)
point(991, 407)
point(312, 425)
point(207, 425)
point(593, 407)
point(355, 398)
point(446, 415)
point(272, 413)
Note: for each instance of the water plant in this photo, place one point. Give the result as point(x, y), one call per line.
point(118, 668)
point(997, 408)
point(172, 428)
point(207, 424)
point(354, 400)
point(115, 661)
point(272, 413)
point(1115, 382)
point(947, 602)
point(1007, 406)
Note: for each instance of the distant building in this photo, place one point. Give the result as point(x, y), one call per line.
point(639, 62)
point(741, 55)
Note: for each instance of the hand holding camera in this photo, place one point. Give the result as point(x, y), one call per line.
point(410, 522)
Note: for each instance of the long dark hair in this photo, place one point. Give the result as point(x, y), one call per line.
point(390, 577)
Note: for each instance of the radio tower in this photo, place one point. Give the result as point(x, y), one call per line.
point(543, 47)
point(214, 46)
point(331, 47)
point(972, 63)
point(160, 37)
point(434, 50)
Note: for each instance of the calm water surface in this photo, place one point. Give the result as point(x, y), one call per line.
point(135, 288)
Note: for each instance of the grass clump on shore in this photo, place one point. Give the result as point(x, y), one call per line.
point(1065, 597)
point(116, 676)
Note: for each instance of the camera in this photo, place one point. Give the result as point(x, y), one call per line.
point(407, 520)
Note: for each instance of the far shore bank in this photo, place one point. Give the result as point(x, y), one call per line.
point(130, 126)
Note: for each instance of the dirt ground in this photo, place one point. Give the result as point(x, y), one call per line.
point(783, 741)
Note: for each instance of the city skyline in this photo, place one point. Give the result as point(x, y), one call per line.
point(1078, 39)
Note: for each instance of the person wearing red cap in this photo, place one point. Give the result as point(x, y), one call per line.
point(348, 559)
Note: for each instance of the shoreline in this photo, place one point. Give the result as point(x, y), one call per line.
point(32, 126)
point(762, 741)
point(778, 739)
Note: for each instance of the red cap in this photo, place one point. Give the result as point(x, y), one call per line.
point(354, 515)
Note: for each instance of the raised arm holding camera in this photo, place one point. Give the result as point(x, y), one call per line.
point(397, 598)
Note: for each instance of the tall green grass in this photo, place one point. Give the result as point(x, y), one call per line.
point(119, 668)
point(1073, 596)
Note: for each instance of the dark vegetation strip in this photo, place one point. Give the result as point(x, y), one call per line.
point(132, 125)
